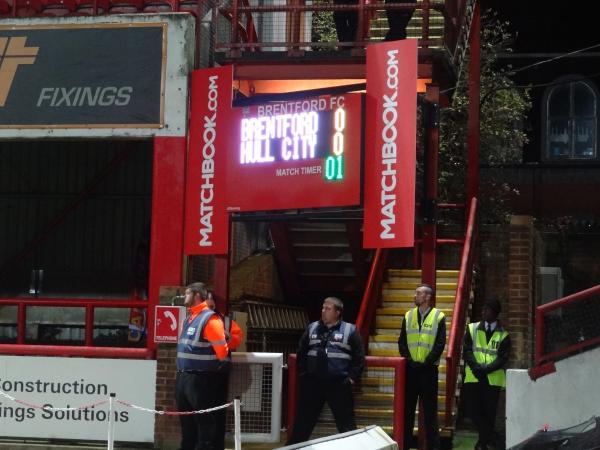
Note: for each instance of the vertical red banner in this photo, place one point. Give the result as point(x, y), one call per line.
point(206, 218)
point(390, 144)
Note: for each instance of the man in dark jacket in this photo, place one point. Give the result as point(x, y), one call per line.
point(486, 352)
point(331, 359)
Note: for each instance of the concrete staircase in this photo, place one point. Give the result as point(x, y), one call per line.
point(375, 400)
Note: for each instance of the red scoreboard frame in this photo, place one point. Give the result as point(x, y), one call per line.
point(295, 154)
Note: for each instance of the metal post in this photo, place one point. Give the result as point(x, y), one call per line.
point(429, 203)
point(473, 119)
point(237, 424)
point(111, 423)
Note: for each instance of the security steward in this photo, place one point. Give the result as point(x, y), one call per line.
point(422, 340)
point(486, 352)
point(203, 362)
point(331, 359)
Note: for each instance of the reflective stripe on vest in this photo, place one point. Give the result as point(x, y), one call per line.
point(193, 351)
point(339, 352)
point(486, 353)
point(421, 341)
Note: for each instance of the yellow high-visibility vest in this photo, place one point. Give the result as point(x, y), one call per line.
point(486, 353)
point(420, 341)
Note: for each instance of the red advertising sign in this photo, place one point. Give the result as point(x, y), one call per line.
point(296, 154)
point(390, 144)
point(169, 321)
point(206, 221)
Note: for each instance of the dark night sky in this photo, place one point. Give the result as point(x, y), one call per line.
point(549, 26)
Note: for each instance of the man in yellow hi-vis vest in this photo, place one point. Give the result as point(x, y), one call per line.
point(422, 340)
point(486, 352)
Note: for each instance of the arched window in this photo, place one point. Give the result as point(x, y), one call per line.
point(571, 121)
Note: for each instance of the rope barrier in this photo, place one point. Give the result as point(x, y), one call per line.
point(174, 413)
point(51, 408)
point(111, 422)
point(122, 402)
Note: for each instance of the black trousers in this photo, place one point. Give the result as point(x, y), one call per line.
point(421, 383)
point(397, 21)
point(482, 401)
point(346, 22)
point(202, 390)
point(313, 392)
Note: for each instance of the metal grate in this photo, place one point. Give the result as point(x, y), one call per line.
point(270, 316)
point(274, 328)
point(571, 325)
point(256, 378)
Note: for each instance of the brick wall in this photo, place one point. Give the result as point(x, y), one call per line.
point(166, 428)
point(521, 279)
point(491, 281)
point(255, 276)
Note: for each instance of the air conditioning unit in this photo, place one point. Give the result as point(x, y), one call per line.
point(550, 284)
point(371, 437)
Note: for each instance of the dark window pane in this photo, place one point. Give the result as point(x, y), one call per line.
point(584, 100)
point(559, 139)
point(585, 138)
point(558, 103)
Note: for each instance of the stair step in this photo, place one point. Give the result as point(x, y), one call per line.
point(313, 228)
point(375, 397)
point(384, 376)
point(395, 296)
point(417, 273)
point(413, 285)
point(417, 281)
point(403, 307)
point(393, 352)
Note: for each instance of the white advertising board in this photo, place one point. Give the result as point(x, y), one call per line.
point(74, 382)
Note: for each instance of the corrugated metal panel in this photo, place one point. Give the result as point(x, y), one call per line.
point(93, 248)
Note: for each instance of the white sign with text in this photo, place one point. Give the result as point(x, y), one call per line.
point(71, 383)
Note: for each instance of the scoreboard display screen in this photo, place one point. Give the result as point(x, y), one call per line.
point(295, 154)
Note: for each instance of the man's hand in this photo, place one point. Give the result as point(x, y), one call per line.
point(479, 371)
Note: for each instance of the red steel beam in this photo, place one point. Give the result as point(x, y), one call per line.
point(70, 350)
point(428, 249)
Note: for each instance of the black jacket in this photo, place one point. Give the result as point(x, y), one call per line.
point(357, 363)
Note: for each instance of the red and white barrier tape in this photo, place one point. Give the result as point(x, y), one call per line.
point(174, 413)
point(50, 408)
point(122, 402)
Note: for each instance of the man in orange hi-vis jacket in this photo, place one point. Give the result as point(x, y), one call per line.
point(203, 360)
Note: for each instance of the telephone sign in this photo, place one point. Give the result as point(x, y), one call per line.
point(169, 321)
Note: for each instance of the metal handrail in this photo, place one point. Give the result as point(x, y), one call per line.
point(372, 295)
point(88, 349)
point(295, 8)
point(459, 314)
point(541, 357)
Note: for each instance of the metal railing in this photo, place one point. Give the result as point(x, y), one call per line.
point(565, 326)
point(398, 365)
point(290, 21)
point(88, 348)
point(372, 295)
point(459, 315)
